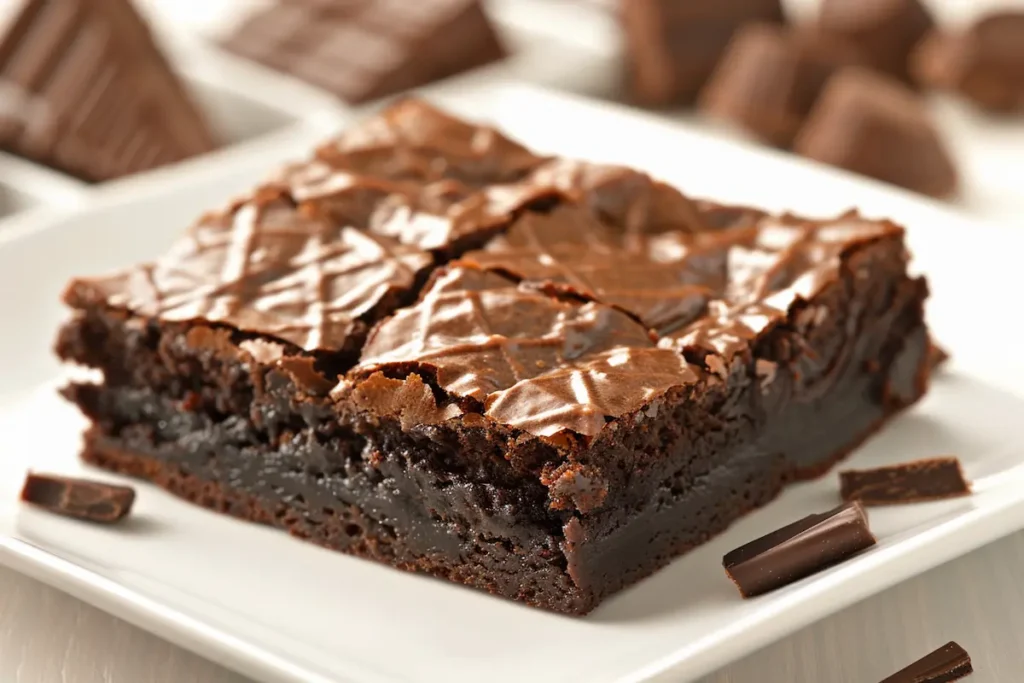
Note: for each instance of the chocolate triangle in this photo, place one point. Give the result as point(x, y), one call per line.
point(360, 50)
point(85, 89)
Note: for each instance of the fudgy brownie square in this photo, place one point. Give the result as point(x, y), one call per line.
point(539, 377)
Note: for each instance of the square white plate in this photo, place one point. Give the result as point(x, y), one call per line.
point(279, 609)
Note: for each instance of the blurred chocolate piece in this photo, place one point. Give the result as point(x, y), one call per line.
point(985, 63)
point(886, 30)
point(93, 501)
point(949, 663)
point(84, 89)
point(800, 549)
point(873, 125)
point(672, 46)
point(937, 356)
point(771, 76)
point(910, 482)
point(361, 50)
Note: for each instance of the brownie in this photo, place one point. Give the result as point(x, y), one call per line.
point(604, 376)
point(361, 50)
point(87, 91)
point(672, 46)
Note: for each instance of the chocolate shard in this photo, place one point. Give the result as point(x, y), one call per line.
point(938, 356)
point(800, 549)
point(984, 63)
point(672, 47)
point(949, 663)
point(771, 76)
point(92, 501)
point(361, 50)
point(87, 91)
point(886, 30)
point(911, 482)
point(873, 125)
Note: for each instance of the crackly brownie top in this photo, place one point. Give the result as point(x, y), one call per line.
point(266, 267)
point(562, 323)
point(427, 178)
point(549, 295)
point(530, 360)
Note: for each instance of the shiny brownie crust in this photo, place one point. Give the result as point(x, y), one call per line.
point(404, 456)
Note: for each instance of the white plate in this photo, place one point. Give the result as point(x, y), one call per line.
point(279, 609)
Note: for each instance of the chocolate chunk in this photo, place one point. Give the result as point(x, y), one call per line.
point(984, 63)
point(93, 501)
point(872, 125)
point(771, 76)
point(361, 50)
point(86, 91)
point(949, 663)
point(912, 482)
point(885, 30)
point(800, 549)
point(672, 47)
point(938, 356)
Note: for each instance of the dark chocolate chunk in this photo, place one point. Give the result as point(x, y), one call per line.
point(771, 76)
point(800, 549)
point(361, 50)
point(984, 63)
point(93, 501)
point(885, 30)
point(672, 46)
point(949, 663)
point(873, 125)
point(86, 91)
point(911, 482)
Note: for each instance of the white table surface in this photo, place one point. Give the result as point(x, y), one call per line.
point(978, 600)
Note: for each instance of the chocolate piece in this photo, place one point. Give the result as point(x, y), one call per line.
point(911, 482)
point(92, 501)
point(938, 355)
point(771, 76)
point(885, 30)
point(672, 47)
point(874, 126)
point(361, 50)
point(86, 91)
point(798, 550)
point(519, 427)
point(949, 663)
point(984, 63)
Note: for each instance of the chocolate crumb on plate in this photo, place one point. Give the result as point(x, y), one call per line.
point(800, 549)
point(93, 501)
point(911, 482)
point(938, 355)
point(949, 663)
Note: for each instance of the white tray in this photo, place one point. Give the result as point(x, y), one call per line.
point(279, 609)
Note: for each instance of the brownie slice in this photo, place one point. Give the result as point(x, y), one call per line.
point(87, 91)
point(564, 406)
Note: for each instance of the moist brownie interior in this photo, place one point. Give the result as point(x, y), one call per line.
point(540, 377)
